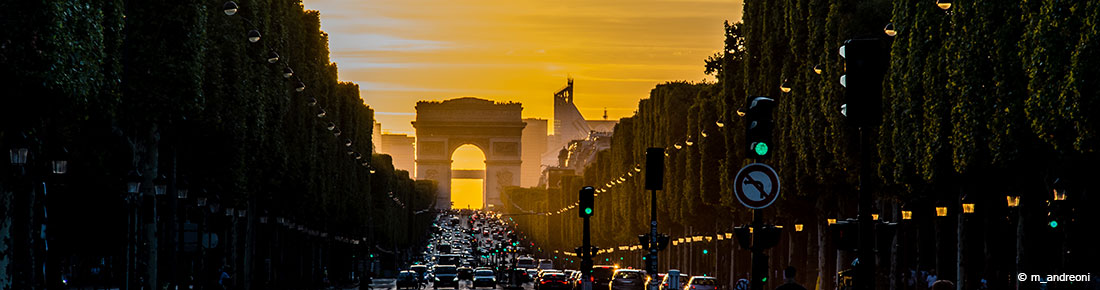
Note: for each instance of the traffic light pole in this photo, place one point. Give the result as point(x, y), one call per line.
point(586, 256)
point(865, 269)
point(759, 261)
point(651, 261)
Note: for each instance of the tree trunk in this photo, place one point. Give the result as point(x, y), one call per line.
point(822, 273)
point(6, 222)
point(960, 279)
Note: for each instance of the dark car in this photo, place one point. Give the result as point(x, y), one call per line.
point(702, 283)
point(421, 272)
point(628, 279)
point(601, 276)
point(408, 279)
point(552, 281)
point(465, 273)
point(444, 276)
point(485, 278)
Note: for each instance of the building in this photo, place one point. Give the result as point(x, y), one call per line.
point(534, 145)
point(401, 148)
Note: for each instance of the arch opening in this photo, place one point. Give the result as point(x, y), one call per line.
point(467, 188)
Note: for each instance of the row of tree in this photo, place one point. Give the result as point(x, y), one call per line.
point(176, 90)
point(988, 100)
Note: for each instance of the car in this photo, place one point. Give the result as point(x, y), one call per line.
point(465, 273)
point(601, 276)
point(546, 264)
point(552, 281)
point(485, 278)
point(408, 279)
point(628, 279)
point(682, 281)
point(526, 263)
point(444, 276)
point(702, 283)
point(544, 272)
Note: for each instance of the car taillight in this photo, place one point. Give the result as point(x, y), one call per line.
point(692, 286)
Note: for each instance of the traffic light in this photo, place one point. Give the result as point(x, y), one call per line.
point(758, 127)
point(654, 168)
point(864, 68)
point(587, 201)
point(644, 241)
point(662, 242)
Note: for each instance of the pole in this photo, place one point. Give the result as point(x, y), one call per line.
point(759, 260)
point(865, 268)
point(651, 261)
point(586, 254)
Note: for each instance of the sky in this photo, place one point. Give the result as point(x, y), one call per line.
point(400, 52)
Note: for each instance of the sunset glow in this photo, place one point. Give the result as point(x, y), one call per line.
point(400, 52)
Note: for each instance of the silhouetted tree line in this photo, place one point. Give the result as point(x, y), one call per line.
point(174, 90)
point(989, 100)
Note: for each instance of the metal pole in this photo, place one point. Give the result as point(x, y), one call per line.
point(758, 257)
point(866, 266)
point(651, 265)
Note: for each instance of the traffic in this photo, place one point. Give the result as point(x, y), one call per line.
point(483, 250)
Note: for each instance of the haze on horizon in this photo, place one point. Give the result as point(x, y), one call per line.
point(401, 52)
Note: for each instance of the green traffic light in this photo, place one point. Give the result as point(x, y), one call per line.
point(1053, 224)
point(705, 251)
point(588, 210)
point(760, 148)
point(765, 279)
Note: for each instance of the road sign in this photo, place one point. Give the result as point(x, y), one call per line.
point(756, 185)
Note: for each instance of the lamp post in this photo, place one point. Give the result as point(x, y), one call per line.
point(133, 186)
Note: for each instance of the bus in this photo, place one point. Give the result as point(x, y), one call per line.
point(526, 263)
point(448, 259)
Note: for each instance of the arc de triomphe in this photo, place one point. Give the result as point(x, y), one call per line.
point(495, 128)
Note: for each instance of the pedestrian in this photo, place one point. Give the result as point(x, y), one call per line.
point(790, 284)
point(224, 280)
point(931, 279)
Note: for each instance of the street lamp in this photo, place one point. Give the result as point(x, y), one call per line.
point(229, 211)
point(941, 211)
point(347, 142)
point(720, 124)
point(311, 102)
point(968, 208)
point(230, 8)
point(253, 36)
point(300, 87)
point(785, 86)
point(160, 185)
point(830, 221)
point(906, 214)
point(944, 4)
point(272, 57)
point(889, 30)
point(133, 182)
point(321, 113)
point(19, 155)
point(818, 69)
point(331, 126)
point(1013, 200)
point(287, 72)
point(798, 227)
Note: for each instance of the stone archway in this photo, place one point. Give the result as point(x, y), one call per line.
point(495, 128)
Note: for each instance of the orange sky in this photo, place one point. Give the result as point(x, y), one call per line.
point(400, 52)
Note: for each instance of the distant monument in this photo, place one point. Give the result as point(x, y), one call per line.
point(495, 128)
